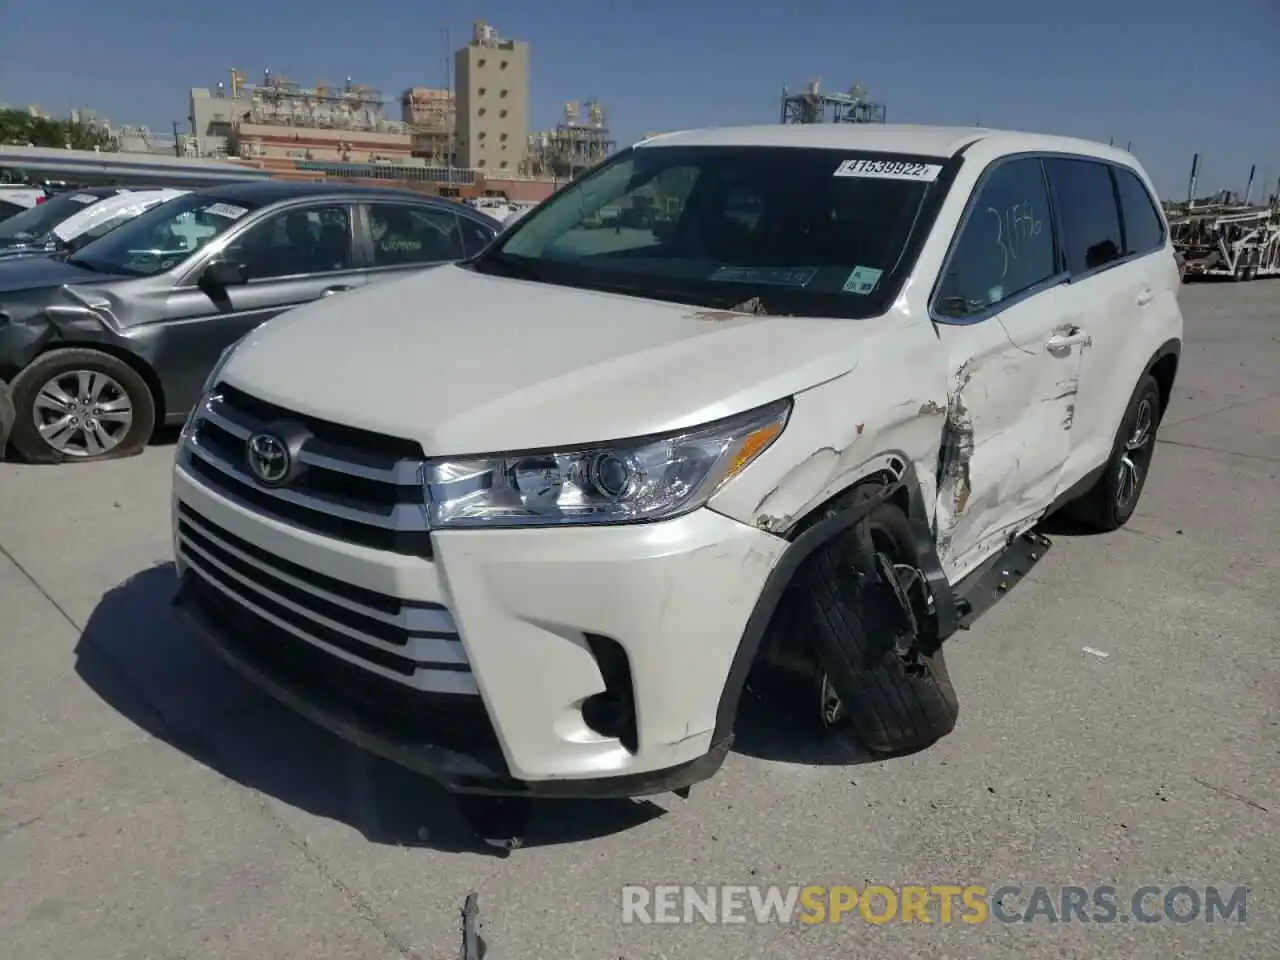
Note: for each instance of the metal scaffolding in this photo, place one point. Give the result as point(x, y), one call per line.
point(280, 101)
point(573, 146)
point(814, 106)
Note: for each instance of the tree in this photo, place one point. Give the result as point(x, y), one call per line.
point(21, 128)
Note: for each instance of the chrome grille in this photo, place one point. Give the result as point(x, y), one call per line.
point(412, 643)
point(354, 485)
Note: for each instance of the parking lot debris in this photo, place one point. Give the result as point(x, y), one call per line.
point(473, 945)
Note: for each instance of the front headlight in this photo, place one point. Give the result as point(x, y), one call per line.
point(653, 478)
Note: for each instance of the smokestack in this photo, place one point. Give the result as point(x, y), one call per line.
point(1191, 187)
point(1248, 190)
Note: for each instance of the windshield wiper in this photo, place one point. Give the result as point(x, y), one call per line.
point(84, 264)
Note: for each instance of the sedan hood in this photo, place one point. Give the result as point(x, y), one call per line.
point(467, 363)
point(29, 273)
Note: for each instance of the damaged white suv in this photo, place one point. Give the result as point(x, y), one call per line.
point(527, 523)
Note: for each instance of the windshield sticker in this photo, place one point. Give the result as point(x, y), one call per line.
point(862, 280)
point(773, 276)
point(889, 170)
point(228, 210)
point(84, 198)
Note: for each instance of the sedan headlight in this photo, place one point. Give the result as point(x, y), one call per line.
point(653, 478)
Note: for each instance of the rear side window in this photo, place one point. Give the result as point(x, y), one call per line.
point(1090, 217)
point(474, 236)
point(1143, 231)
point(407, 234)
point(1006, 244)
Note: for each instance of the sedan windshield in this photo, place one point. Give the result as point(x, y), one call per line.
point(794, 231)
point(161, 238)
point(39, 220)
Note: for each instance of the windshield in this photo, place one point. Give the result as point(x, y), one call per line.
point(39, 220)
point(100, 229)
point(803, 232)
point(161, 238)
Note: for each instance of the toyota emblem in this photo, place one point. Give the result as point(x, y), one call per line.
point(269, 458)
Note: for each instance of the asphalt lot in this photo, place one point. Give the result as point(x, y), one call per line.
point(151, 805)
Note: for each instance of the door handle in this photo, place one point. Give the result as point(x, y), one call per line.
point(1068, 338)
point(332, 290)
point(1145, 297)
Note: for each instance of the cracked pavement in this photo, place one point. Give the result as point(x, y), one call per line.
point(153, 805)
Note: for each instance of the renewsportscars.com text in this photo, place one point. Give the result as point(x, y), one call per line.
point(934, 903)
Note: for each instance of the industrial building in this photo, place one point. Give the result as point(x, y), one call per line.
point(279, 119)
point(815, 106)
point(492, 82)
point(431, 115)
point(471, 137)
point(573, 146)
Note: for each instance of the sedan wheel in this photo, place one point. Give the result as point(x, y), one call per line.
point(80, 405)
point(82, 413)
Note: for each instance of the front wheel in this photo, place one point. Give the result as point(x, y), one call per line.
point(893, 699)
point(79, 404)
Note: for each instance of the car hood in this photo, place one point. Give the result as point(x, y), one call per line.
point(467, 363)
point(32, 272)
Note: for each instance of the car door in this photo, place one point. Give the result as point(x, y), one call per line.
point(1002, 320)
point(1110, 228)
point(402, 237)
point(290, 257)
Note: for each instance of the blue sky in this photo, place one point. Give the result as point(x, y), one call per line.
point(1093, 68)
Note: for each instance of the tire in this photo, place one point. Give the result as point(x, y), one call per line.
point(891, 705)
point(6, 416)
point(109, 380)
point(1110, 502)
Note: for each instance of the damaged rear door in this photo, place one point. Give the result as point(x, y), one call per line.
point(1013, 350)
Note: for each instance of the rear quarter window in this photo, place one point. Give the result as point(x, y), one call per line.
point(1143, 228)
point(1088, 211)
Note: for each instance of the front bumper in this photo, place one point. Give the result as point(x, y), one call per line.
point(517, 617)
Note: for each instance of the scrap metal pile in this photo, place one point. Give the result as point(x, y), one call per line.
point(1228, 240)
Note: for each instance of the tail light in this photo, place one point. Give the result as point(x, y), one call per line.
point(40, 200)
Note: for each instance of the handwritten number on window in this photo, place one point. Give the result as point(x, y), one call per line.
point(1004, 250)
point(1014, 227)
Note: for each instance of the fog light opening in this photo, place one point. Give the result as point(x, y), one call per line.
point(612, 712)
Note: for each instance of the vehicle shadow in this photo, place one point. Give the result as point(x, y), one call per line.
point(1062, 525)
point(778, 720)
point(165, 435)
point(139, 657)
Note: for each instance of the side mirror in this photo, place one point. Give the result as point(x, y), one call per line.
point(221, 274)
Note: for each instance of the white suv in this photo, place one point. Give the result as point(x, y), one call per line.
point(526, 523)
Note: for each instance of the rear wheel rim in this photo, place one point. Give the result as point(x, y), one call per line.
point(82, 413)
point(831, 706)
point(1136, 455)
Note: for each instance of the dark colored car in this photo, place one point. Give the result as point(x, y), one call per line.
point(99, 347)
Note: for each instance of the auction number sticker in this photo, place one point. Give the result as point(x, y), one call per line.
point(228, 210)
point(84, 198)
point(889, 170)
